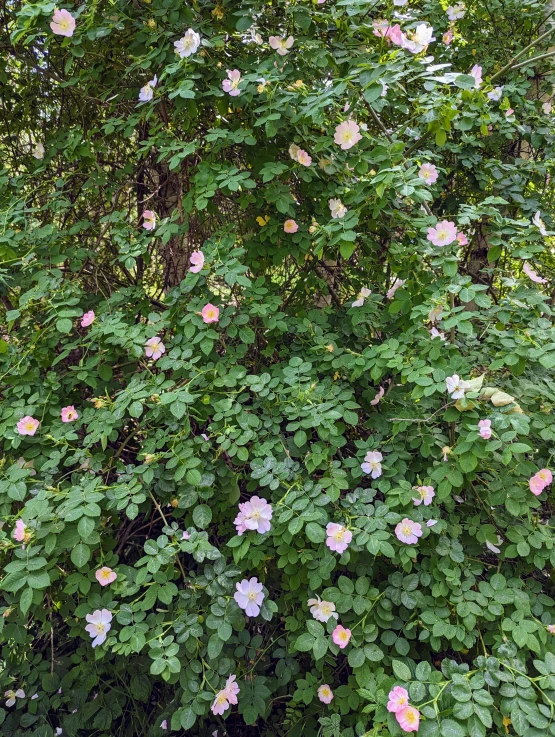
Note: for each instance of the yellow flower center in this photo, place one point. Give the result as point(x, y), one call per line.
point(251, 595)
point(100, 628)
point(406, 530)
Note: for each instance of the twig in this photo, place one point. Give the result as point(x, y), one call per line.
point(159, 509)
point(520, 53)
point(534, 58)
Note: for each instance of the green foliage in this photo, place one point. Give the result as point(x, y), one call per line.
point(284, 394)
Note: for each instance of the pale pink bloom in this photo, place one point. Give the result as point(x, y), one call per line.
point(551, 628)
point(395, 35)
point(443, 234)
point(325, 694)
point(188, 44)
point(545, 475)
point(87, 319)
point(337, 209)
point(34, 696)
point(281, 44)
point(361, 296)
point(378, 396)
point(456, 386)
point(164, 724)
point(538, 222)
point(428, 173)
point(322, 610)
point(431, 522)
point(290, 226)
point(149, 220)
point(531, 274)
point(231, 85)
point(105, 576)
point(462, 240)
point(63, 23)
point(485, 429)
point(21, 532)
point(435, 333)
point(220, 703)
point(347, 134)
point(380, 28)
point(496, 94)
point(38, 151)
point(419, 39)
point(408, 531)
point(476, 72)
point(341, 636)
point(154, 348)
point(186, 535)
point(147, 92)
point(425, 494)
point(27, 425)
point(338, 537)
point(547, 107)
point(12, 695)
point(456, 12)
point(197, 260)
point(210, 313)
point(447, 37)
point(372, 463)
point(303, 158)
point(408, 719)
point(509, 112)
point(398, 699)
point(69, 413)
point(99, 625)
point(249, 596)
point(256, 514)
point(231, 689)
point(397, 284)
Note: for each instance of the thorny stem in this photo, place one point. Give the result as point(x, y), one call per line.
point(520, 53)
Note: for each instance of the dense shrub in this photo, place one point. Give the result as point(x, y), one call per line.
point(276, 369)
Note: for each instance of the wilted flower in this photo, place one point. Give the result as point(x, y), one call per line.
point(105, 576)
point(38, 151)
point(443, 234)
point(538, 222)
point(69, 413)
point(325, 694)
point(361, 296)
point(378, 396)
point(154, 348)
point(347, 134)
point(338, 537)
point(99, 625)
point(27, 425)
point(531, 274)
point(197, 261)
point(495, 94)
point(547, 107)
point(322, 610)
point(435, 333)
point(63, 23)
point(408, 531)
point(428, 173)
point(231, 84)
point(249, 596)
point(425, 494)
point(188, 44)
point(256, 514)
point(551, 628)
point(398, 699)
point(210, 313)
point(281, 44)
point(341, 636)
point(164, 724)
point(372, 463)
point(337, 209)
point(484, 427)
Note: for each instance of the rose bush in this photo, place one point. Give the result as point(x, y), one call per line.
point(276, 368)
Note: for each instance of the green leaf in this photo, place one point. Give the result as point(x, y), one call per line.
point(85, 527)
point(304, 642)
point(64, 325)
point(202, 516)
point(450, 728)
point(80, 555)
point(401, 670)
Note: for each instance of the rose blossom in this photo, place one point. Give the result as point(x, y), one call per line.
point(347, 134)
point(63, 23)
point(408, 531)
point(428, 173)
point(495, 94)
point(447, 37)
point(425, 494)
point(337, 209)
point(408, 719)
point(322, 610)
point(443, 234)
point(210, 313)
point(149, 220)
point(99, 625)
point(197, 261)
point(87, 319)
point(38, 151)
point(372, 463)
point(254, 515)
point(290, 226)
point(281, 44)
point(538, 222)
point(397, 284)
point(105, 576)
point(462, 240)
point(338, 537)
point(27, 425)
point(456, 12)
point(361, 296)
point(188, 44)
point(485, 429)
point(476, 72)
point(69, 413)
point(21, 532)
point(249, 596)
point(456, 386)
point(341, 636)
point(325, 694)
point(378, 396)
point(154, 348)
point(12, 695)
point(531, 274)
point(147, 92)
point(231, 85)
point(398, 699)
point(303, 158)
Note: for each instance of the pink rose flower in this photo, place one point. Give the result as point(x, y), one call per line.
point(186, 535)
point(281, 44)
point(303, 158)
point(69, 413)
point(338, 537)
point(428, 173)
point(443, 234)
point(27, 425)
point(462, 240)
point(378, 396)
point(408, 531)
point(87, 319)
point(398, 699)
point(21, 532)
point(485, 429)
point(531, 274)
point(164, 724)
point(408, 719)
point(448, 37)
point(154, 348)
point(397, 284)
point(225, 697)
point(256, 514)
point(197, 261)
point(105, 576)
point(341, 636)
point(347, 134)
point(231, 85)
point(149, 220)
point(373, 463)
point(290, 226)
point(210, 313)
point(325, 694)
point(425, 494)
point(476, 72)
point(63, 23)
point(539, 481)
point(249, 596)
point(231, 689)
